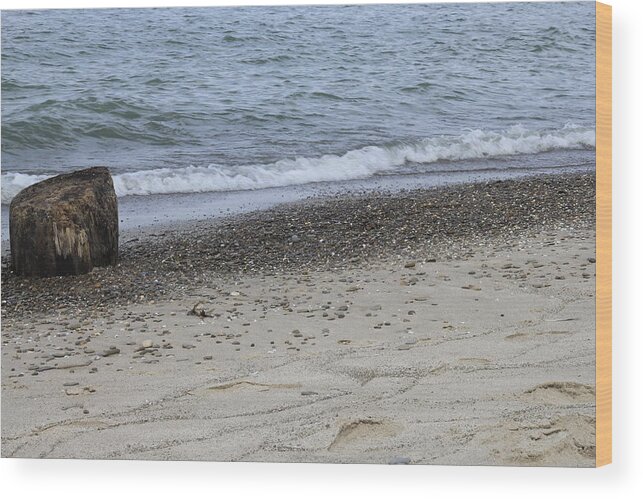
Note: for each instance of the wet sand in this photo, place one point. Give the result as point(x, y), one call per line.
point(438, 326)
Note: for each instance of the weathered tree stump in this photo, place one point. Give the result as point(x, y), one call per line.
point(65, 225)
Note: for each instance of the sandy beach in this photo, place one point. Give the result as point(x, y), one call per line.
point(448, 325)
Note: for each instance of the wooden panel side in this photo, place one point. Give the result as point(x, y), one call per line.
point(603, 234)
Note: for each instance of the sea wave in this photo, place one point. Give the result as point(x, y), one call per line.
point(357, 164)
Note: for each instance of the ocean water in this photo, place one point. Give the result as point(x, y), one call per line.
point(188, 100)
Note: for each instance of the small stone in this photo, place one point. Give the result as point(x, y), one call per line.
point(400, 460)
point(110, 351)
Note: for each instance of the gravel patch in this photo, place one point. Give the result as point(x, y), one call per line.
point(321, 234)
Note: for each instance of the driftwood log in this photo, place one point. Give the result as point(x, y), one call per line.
point(65, 225)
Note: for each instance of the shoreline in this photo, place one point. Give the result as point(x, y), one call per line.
point(349, 230)
point(146, 213)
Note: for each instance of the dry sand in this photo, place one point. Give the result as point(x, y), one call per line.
point(487, 359)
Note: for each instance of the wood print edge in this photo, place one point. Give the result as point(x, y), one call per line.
point(603, 234)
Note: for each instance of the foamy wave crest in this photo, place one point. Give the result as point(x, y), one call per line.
point(357, 164)
point(13, 183)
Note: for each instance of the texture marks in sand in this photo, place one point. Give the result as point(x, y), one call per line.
point(397, 364)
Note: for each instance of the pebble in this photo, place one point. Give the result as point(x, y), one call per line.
point(400, 460)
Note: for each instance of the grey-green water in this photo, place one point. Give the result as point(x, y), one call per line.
point(215, 99)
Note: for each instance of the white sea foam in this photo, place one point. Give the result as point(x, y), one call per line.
point(356, 164)
point(13, 183)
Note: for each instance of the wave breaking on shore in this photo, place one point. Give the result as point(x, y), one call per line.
point(356, 164)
